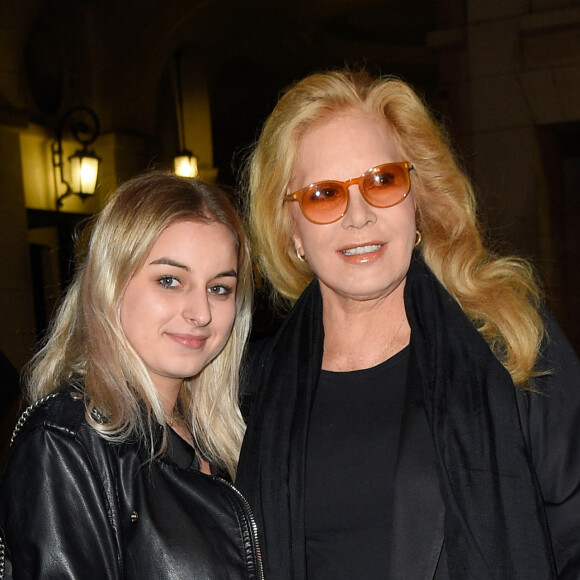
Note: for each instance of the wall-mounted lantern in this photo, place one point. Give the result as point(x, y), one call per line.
point(83, 125)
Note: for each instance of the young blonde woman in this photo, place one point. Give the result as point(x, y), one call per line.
point(121, 467)
point(418, 413)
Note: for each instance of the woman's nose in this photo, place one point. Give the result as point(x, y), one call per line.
point(197, 309)
point(359, 213)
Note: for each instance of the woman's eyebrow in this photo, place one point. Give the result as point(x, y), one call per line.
point(169, 262)
point(229, 273)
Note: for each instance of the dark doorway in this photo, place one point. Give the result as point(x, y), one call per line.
point(51, 274)
point(560, 146)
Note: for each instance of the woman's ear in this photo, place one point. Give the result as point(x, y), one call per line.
point(298, 247)
point(297, 243)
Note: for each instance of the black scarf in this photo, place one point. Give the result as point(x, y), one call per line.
point(495, 526)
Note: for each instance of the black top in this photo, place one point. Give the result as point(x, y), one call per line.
point(350, 463)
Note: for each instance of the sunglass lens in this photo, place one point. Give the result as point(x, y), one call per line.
point(324, 203)
point(387, 185)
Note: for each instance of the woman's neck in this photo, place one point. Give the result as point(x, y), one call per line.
point(180, 426)
point(362, 334)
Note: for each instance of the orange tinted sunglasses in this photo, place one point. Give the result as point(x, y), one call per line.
point(325, 202)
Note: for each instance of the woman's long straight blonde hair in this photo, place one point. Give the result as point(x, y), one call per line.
point(86, 345)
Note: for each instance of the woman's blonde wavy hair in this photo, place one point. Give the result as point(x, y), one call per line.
point(86, 345)
point(499, 294)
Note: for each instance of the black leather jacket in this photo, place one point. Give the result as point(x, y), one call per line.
point(74, 505)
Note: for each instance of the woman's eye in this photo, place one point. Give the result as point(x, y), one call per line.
point(169, 281)
point(220, 290)
point(384, 179)
point(324, 193)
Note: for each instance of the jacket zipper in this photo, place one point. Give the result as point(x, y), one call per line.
point(252, 522)
point(2, 557)
point(26, 413)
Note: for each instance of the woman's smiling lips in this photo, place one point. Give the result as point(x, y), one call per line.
point(362, 253)
point(188, 340)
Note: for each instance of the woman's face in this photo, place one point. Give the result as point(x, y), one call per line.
point(178, 309)
point(366, 254)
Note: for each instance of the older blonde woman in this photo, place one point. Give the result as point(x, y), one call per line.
point(119, 468)
point(418, 413)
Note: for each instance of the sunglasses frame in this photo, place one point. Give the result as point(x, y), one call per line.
point(345, 185)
